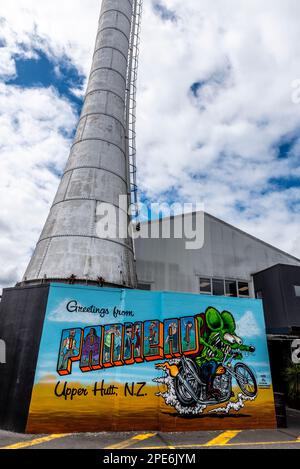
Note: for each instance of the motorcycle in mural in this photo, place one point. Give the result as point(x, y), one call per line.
point(207, 379)
point(190, 389)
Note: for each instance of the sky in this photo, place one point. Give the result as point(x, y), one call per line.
point(216, 122)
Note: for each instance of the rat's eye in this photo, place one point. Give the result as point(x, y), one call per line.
point(238, 340)
point(229, 338)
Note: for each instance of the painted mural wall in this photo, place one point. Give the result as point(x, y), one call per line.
point(122, 360)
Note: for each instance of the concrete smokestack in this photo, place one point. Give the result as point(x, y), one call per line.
point(97, 170)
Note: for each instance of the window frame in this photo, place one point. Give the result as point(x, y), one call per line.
point(259, 295)
point(218, 280)
point(225, 280)
point(238, 289)
point(210, 281)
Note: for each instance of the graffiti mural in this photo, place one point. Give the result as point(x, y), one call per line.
point(206, 377)
point(133, 360)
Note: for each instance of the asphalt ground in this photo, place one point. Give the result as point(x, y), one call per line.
point(287, 438)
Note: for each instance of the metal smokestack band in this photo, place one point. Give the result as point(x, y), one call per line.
point(97, 170)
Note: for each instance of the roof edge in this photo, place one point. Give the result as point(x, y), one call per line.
point(206, 214)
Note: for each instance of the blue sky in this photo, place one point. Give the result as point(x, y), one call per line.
point(43, 71)
point(216, 121)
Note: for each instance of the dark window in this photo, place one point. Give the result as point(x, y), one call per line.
point(230, 286)
point(243, 288)
point(144, 286)
point(297, 290)
point(259, 295)
point(205, 285)
point(218, 287)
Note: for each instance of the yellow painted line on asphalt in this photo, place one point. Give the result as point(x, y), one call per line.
point(223, 439)
point(257, 443)
point(247, 443)
point(36, 441)
point(127, 443)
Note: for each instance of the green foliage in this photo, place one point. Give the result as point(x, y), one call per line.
point(292, 376)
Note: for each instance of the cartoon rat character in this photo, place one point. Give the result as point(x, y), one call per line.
point(217, 335)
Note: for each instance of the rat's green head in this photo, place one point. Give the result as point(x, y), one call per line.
point(223, 327)
point(229, 331)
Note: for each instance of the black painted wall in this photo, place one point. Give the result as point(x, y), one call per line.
point(280, 356)
point(22, 312)
point(281, 305)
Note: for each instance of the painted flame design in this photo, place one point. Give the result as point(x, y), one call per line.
point(173, 369)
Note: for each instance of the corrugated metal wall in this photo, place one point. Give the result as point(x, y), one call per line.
point(227, 253)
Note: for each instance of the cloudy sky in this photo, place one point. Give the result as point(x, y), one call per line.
point(216, 120)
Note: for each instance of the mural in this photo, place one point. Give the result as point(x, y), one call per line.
point(133, 360)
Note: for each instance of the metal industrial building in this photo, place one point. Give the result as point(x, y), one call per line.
point(224, 265)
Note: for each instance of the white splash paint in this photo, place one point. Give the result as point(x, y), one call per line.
point(234, 405)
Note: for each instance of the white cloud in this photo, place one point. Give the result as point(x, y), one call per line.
point(226, 136)
point(31, 141)
point(7, 64)
point(66, 27)
point(247, 326)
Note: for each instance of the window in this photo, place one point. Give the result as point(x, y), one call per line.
point(243, 289)
point(205, 286)
point(144, 286)
point(226, 287)
point(218, 287)
point(230, 288)
point(297, 290)
point(259, 295)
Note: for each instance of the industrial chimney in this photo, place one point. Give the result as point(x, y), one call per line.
point(98, 169)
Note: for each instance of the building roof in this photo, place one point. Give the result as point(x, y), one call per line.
point(218, 220)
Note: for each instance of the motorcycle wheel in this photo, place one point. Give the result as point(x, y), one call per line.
point(246, 379)
point(187, 373)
